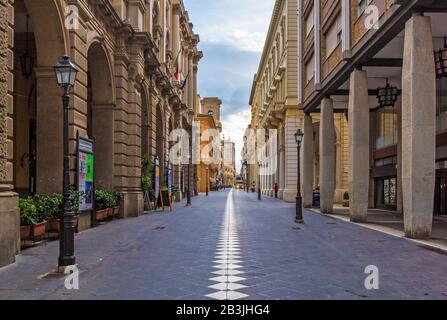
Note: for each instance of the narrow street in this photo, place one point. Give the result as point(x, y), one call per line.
point(227, 246)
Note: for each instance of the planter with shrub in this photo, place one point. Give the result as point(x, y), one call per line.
point(28, 217)
point(105, 203)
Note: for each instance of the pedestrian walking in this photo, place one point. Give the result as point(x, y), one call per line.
point(276, 188)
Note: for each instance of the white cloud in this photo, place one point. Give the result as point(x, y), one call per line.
point(240, 24)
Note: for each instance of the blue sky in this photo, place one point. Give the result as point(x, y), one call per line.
point(232, 34)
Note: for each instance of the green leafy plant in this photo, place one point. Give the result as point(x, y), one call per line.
point(49, 207)
point(174, 189)
point(104, 199)
point(147, 164)
point(74, 198)
point(28, 212)
point(118, 198)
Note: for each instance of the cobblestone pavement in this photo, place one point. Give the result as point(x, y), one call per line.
point(231, 246)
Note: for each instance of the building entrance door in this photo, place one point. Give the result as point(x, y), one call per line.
point(441, 192)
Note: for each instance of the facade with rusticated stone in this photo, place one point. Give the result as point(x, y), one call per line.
point(137, 81)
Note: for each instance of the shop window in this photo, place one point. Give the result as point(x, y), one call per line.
point(386, 127)
point(440, 165)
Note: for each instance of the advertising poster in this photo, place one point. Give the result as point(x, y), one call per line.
point(86, 174)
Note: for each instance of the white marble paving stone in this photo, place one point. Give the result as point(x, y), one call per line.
point(221, 279)
point(234, 295)
point(235, 286)
point(227, 261)
point(231, 279)
point(220, 295)
point(223, 286)
point(228, 272)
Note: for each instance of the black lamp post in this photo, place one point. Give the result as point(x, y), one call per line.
point(299, 200)
point(207, 179)
point(259, 180)
point(188, 188)
point(66, 73)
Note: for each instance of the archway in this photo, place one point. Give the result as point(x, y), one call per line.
point(37, 97)
point(100, 113)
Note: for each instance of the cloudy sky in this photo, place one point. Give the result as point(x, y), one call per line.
point(232, 34)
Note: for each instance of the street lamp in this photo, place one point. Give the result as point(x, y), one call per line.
point(207, 178)
point(188, 189)
point(299, 200)
point(66, 73)
point(259, 179)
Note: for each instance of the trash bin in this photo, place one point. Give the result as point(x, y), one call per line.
point(316, 200)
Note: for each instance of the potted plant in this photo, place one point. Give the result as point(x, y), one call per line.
point(50, 207)
point(75, 198)
point(101, 204)
point(27, 216)
point(118, 198)
point(38, 229)
point(346, 199)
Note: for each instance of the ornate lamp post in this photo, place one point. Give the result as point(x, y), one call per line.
point(259, 179)
point(299, 200)
point(207, 179)
point(66, 73)
point(188, 189)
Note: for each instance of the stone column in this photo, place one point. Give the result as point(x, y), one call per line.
point(176, 31)
point(327, 156)
point(418, 127)
point(307, 158)
point(9, 209)
point(190, 85)
point(358, 146)
point(49, 132)
point(399, 196)
point(292, 122)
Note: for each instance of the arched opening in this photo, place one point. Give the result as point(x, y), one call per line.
point(37, 97)
point(160, 142)
point(145, 126)
point(100, 114)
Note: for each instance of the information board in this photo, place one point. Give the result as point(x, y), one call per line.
point(86, 173)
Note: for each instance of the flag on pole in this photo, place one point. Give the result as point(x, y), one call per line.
point(176, 66)
point(183, 85)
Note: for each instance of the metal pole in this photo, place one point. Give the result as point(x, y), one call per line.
point(207, 180)
point(188, 189)
point(299, 200)
point(66, 236)
point(259, 181)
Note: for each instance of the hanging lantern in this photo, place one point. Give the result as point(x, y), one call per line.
point(26, 60)
point(387, 95)
point(441, 61)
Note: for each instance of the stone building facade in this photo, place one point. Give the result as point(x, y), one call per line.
point(351, 53)
point(137, 80)
point(274, 99)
